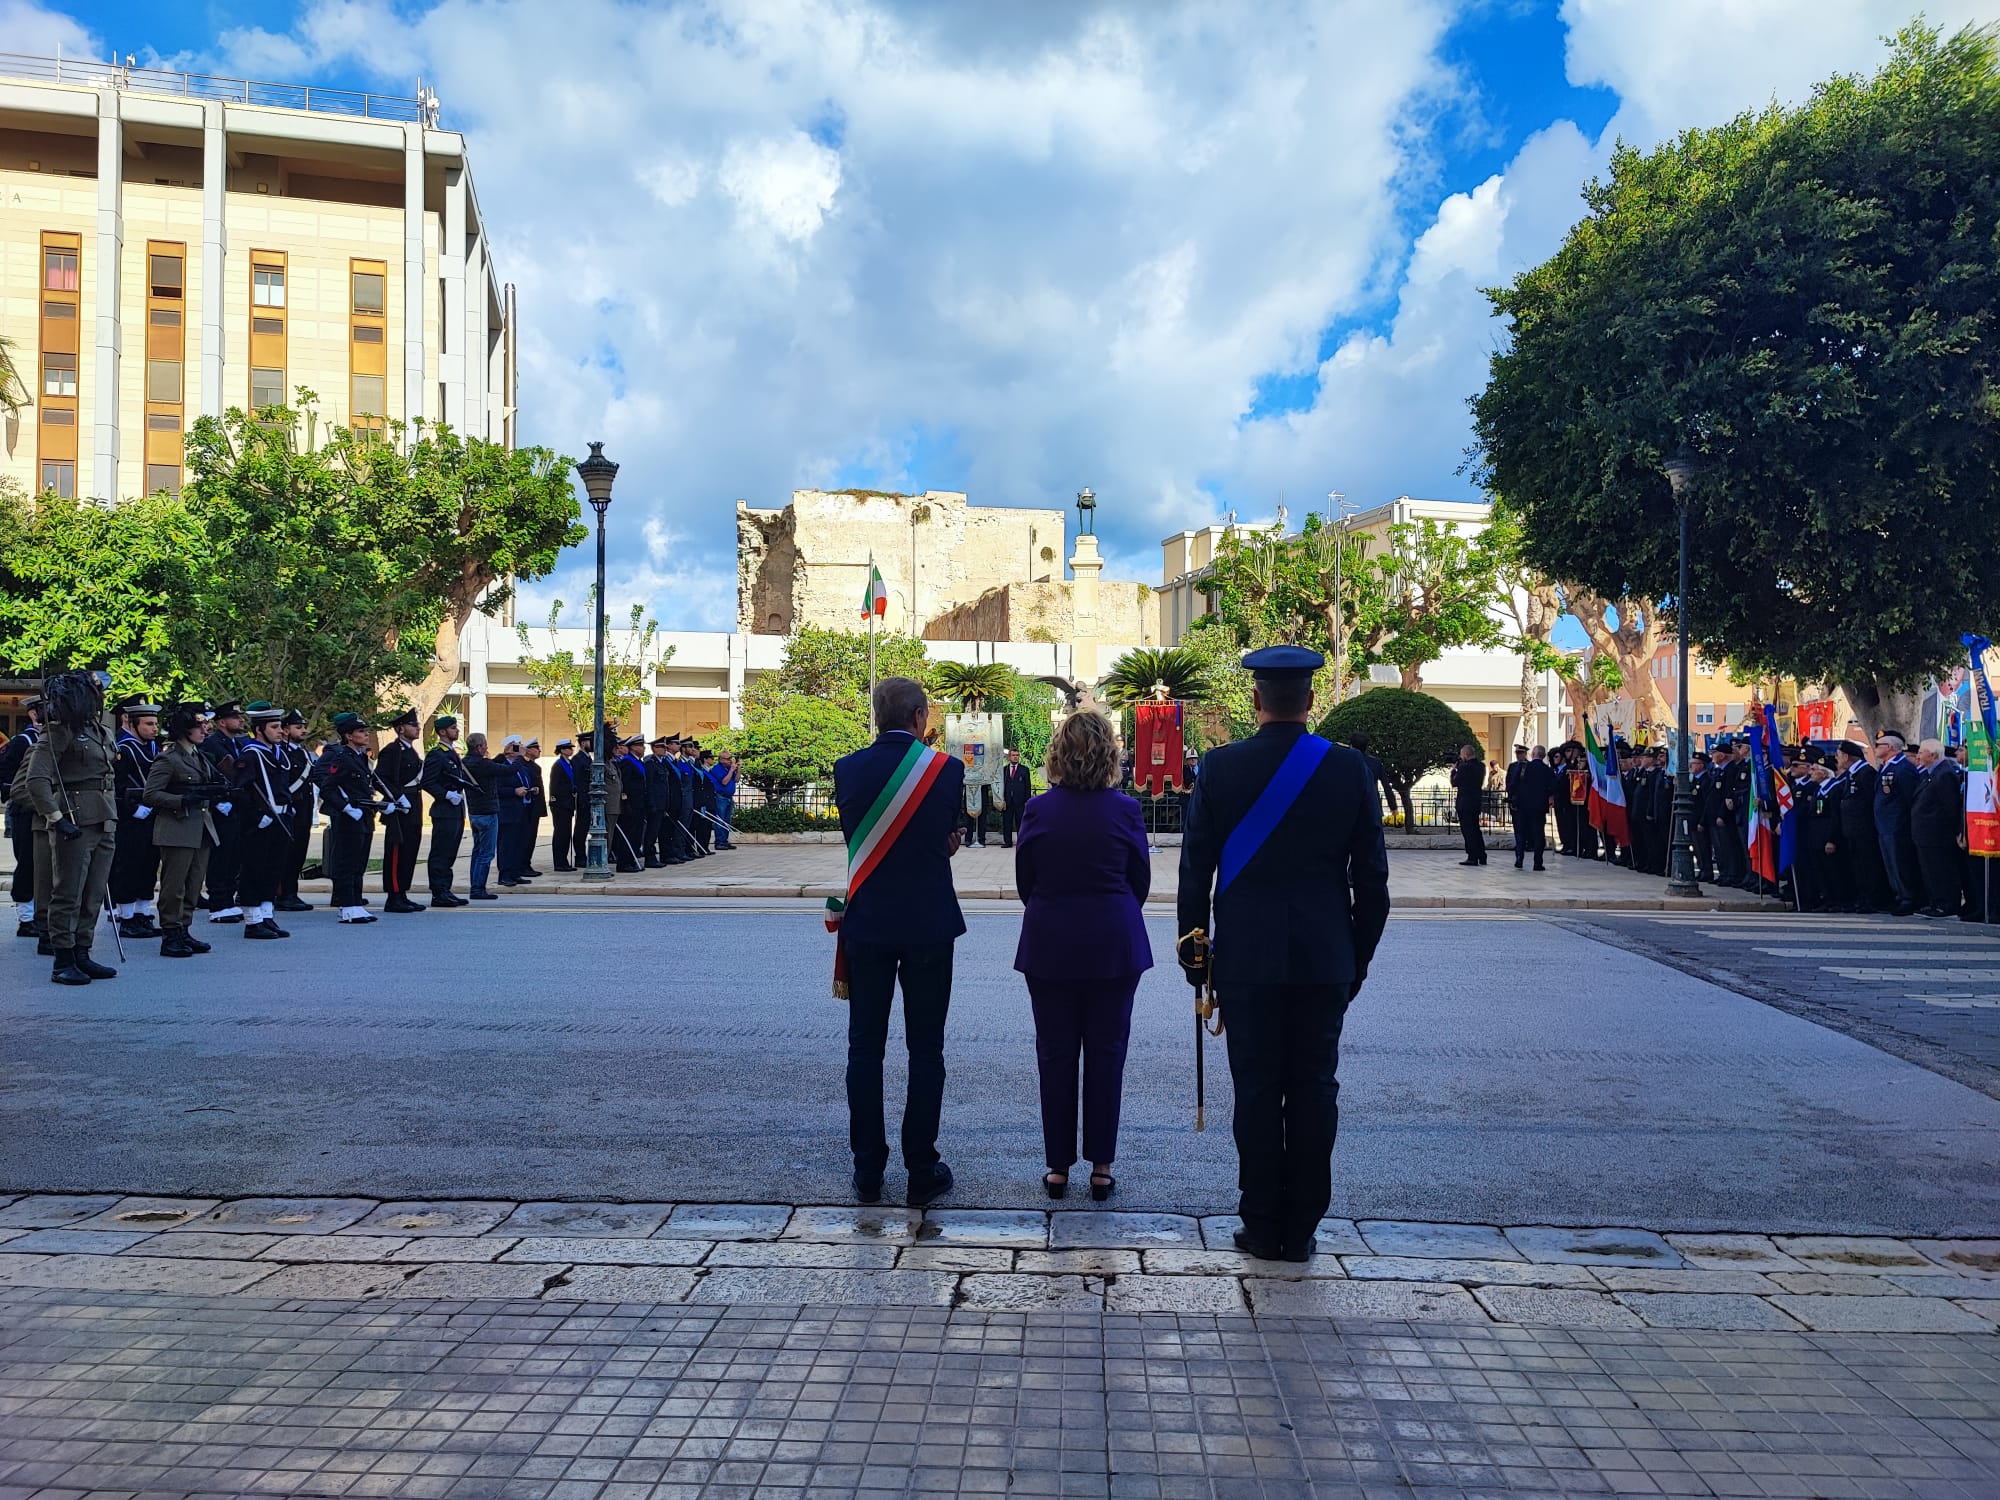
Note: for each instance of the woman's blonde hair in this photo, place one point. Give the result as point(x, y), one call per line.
point(1083, 756)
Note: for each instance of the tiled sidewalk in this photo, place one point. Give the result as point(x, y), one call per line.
point(993, 1260)
point(152, 1395)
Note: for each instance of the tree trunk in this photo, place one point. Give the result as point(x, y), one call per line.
point(1631, 645)
point(1413, 677)
point(443, 675)
point(1880, 704)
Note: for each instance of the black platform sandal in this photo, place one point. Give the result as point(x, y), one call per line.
point(1055, 1184)
point(1102, 1185)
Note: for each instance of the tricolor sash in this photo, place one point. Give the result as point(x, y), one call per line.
point(1258, 824)
point(897, 803)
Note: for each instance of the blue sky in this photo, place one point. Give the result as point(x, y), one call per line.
point(1200, 255)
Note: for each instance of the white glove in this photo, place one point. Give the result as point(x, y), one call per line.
point(353, 812)
point(454, 798)
point(265, 821)
point(142, 812)
point(223, 808)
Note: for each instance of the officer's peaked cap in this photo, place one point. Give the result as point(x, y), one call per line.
point(1283, 661)
point(348, 723)
point(407, 716)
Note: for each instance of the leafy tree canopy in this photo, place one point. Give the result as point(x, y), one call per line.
point(973, 686)
point(823, 663)
point(795, 739)
point(570, 677)
point(1806, 299)
point(1186, 675)
point(1411, 733)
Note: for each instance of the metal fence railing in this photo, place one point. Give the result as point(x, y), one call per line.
point(228, 90)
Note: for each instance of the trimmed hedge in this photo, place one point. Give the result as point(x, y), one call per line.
point(782, 820)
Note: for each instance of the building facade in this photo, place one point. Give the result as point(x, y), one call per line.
point(172, 246)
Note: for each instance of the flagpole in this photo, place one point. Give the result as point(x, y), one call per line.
point(871, 642)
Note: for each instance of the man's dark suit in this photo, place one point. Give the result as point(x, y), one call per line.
point(1469, 779)
point(1294, 934)
point(1016, 786)
point(1895, 796)
point(660, 779)
point(562, 807)
point(1511, 789)
point(902, 922)
point(1534, 790)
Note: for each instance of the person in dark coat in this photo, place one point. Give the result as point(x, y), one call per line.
point(400, 769)
point(1860, 849)
point(1016, 787)
point(515, 785)
point(562, 805)
point(1508, 788)
point(1937, 828)
point(1895, 798)
point(1283, 863)
point(1468, 780)
point(1701, 833)
point(1534, 790)
point(628, 842)
point(580, 773)
point(658, 847)
point(450, 787)
point(482, 804)
point(1732, 850)
point(901, 922)
point(1083, 870)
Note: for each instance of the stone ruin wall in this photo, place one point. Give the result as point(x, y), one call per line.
point(1127, 614)
point(767, 564)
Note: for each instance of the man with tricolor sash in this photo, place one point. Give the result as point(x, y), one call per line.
point(1284, 836)
point(899, 802)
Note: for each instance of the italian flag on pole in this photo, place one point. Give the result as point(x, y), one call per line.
point(1607, 792)
point(876, 601)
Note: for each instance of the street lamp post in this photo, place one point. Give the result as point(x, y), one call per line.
point(597, 473)
point(1681, 880)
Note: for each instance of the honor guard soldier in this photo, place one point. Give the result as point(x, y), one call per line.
point(135, 864)
point(347, 797)
point(73, 785)
point(447, 781)
point(1286, 831)
point(628, 844)
point(299, 794)
point(264, 815)
point(562, 805)
point(400, 770)
point(223, 745)
point(20, 820)
point(179, 788)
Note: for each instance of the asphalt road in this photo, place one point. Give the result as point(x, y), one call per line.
point(1498, 1069)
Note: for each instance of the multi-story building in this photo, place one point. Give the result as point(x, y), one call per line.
point(173, 245)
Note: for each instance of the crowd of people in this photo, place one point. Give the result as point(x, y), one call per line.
point(160, 814)
point(1852, 831)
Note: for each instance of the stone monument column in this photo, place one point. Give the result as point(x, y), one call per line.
point(1085, 565)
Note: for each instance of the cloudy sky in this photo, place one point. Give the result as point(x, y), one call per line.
point(1204, 257)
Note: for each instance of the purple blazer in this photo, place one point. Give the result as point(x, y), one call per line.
point(1083, 869)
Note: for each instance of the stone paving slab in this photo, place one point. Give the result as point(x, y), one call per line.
point(78, 1241)
point(1175, 1294)
point(1541, 1307)
point(466, 1248)
point(481, 1282)
point(1333, 1237)
point(1376, 1301)
point(1730, 1252)
point(314, 1247)
point(578, 1220)
point(1032, 1294)
point(52, 1210)
point(801, 1253)
point(128, 1273)
point(334, 1280)
point(1706, 1310)
point(1100, 1230)
point(1468, 1272)
point(1439, 1241)
point(1963, 1257)
point(1012, 1229)
point(280, 1216)
point(624, 1284)
point(431, 1219)
point(199, 1246)
point(725, 1221)
point(812, 1288)
point(1883, 1314)
point(862, 1224)
point(148, 1214)
point(593, 1250)
point(1593, 1247)
point(1843, 1252)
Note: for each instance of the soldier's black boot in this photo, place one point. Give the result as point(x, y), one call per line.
point(91, 966)
point(66, 971)
point(188, 937)
point(175, 944)
point(43, 946)
point(25, 929)
point(138, 927)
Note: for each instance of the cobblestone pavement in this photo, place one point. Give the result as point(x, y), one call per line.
point(147, 1394)
point(1926, 991)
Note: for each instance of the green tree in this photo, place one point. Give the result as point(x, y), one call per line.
point(1183, 673)
point(14, 397)
point(570, 677)
point(83, 584)
point(1805, 298)
point(1411, 733)
point(794, 740)
point(974, 687)
point(823, 663)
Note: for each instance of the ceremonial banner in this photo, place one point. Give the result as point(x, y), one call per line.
point(1781, 793)
point(1159, 753)
point(1607, 792)
point(1982, 737)
point(977, 740)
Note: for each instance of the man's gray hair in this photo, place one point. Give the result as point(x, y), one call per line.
point(475, 742)
point(898, 702)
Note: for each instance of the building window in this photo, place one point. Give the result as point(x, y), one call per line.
point(267, 388)
point(368, 291)
point(1704, 713)
point(60, 268)
point(59, 375)
point(267, 285)
point(163, 381)
point(166, 274)
point(1735, 713)
point(164, 317)
point(162, 422)
point(163, 477)
point(60, 477)
point(370, 395)
point(367, 351)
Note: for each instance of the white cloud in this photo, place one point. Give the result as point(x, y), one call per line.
point(785, 187)
point(33, 31)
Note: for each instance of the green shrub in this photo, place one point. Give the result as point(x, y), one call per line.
point(1410, 733)
point(783, 819)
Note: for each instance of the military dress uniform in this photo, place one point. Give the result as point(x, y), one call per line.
point(400, 770)
point(179, 787)
point(299, 796)
point(221, 749)
point(72, 777)
point(135, 863)
point(562, 807)
point(264, 819)
point(1860, 846)
point(19, 817)
point(1937, 824)
point(1300, 898)
point(1895, 797)
point(347, 797)
point(447, 781)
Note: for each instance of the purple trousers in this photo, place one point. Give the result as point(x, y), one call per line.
point(1088, 1020)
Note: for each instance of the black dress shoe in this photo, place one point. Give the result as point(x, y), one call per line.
point(510, 882)
point(26, 929)
point(868, 1189)
point(400, 904)
point(531, 872)
point(291, 903)
point(91, 967)
point(1468, 861)
point(565, 869)
point(264, 930)
point(139, 927)
point(484, 895)
point(930, 1186)
point(446, 898)
point(196, 943)
point(1252, 1246)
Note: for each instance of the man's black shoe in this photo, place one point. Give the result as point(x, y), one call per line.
point(930, 1186)
point(139, 927)
point(26, 929)
point(196, 943)
point(484, 895)
point(82, 959)
point(1540, 866)
point(531, 872)
point(565, 869)
point(400, 903)
point(510, 882)
point(291, 903)
point(1468, 861)
point(868, 1189)
point(446, 898)
point(1252, 1246)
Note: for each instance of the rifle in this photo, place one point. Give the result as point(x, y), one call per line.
point(1196, 953)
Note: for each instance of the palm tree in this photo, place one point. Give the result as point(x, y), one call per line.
point(14, 397)
point(1137, 673)
point(970, 686)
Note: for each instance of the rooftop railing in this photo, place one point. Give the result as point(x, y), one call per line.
point(423, 108)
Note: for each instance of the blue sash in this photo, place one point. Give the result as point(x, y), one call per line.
point(1248, 836)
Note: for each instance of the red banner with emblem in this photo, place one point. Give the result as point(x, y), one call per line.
point(1158, 755)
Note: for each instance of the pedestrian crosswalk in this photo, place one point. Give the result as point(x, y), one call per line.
point(1964, 966)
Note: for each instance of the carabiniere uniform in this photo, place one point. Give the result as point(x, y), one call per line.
point(346, 796)
point(400, 769)
point(298, 764)
point(1286, 831)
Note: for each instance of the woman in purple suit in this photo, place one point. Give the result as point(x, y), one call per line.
point(1084, 870)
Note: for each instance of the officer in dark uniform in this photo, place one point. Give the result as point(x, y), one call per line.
point(1860, 857)
point(223, 745)
point(20, 820)
point(265, 815)
point(72, 782)
point(1937, 827)
point(562, 805)
point(298, 766)
point(347, 797)
point(1813, 866)
point(135, 863)
point(1701, 792)
point(1895, 796)
point(579, 771)
point(1468, 779)
point(400, 770)
point(1732, 856)
point(1286, 831)
point(447, 782)
point(660, 782)
point(628, 843)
